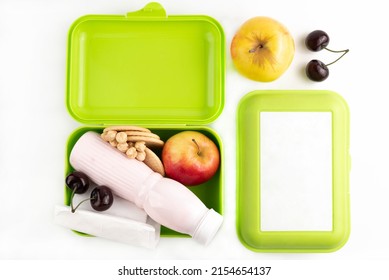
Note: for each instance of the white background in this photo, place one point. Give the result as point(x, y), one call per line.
point(35, 124)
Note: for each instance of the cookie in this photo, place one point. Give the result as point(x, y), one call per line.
point(126, 128)
point(154, 162)
point(149, 141)
point(142, 133)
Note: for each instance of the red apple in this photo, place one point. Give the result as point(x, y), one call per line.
point(190, 158)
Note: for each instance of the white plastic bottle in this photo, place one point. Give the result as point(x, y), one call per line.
point(166, 201)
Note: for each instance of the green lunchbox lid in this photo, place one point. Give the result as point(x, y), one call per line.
point(289, 198)
point(146, 68)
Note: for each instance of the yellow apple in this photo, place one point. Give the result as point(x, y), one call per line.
point(262, 49)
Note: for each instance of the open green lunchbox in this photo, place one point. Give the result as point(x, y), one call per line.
point(145, 68)
point(293, 167)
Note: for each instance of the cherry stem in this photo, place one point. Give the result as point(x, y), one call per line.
point(78, 205)
point(343, 51)
point(71, 200)
point(198, 147)
point(71, 197)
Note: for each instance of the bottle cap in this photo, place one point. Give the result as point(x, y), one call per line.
point(208, 227)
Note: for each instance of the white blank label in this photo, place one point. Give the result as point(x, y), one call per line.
point(296, 171)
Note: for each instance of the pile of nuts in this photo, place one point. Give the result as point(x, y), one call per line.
point(131, 149)
point(132, 140)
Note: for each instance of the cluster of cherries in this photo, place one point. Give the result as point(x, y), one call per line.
point(316, 70)
point(101, 197)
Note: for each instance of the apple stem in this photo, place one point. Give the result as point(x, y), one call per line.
point(198, 147)
point(343, 51)
point(260, 46)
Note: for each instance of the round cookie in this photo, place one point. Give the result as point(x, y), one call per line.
point(154, 162)
point(125, 128)
point(142, 133)
point(149, 141)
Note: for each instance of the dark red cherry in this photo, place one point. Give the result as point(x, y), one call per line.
point(316, 70)
point(317, 40)
point(78, 182)
point(101, 198)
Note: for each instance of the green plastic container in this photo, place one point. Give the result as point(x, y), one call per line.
point(145, 68)
point(261, 119)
